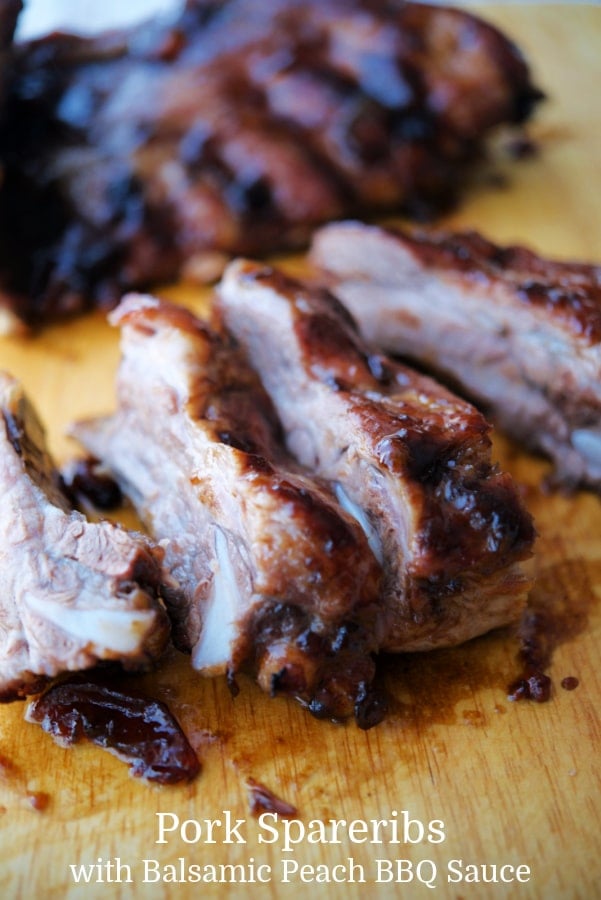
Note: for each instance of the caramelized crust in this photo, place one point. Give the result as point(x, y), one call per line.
point(567, 292)
point(408, 458)
point(235, 127)
point(271, 572)
point(519, 333)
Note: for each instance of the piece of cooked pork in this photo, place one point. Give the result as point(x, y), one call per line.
point(235, 127)
point(408, 459)
point(520, 334)
point(9, 12)
point(73, 592)
point(273, 575)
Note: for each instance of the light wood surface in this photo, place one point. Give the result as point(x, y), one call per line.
point(514, 783)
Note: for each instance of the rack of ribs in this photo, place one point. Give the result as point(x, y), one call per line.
point(74, 593)
point(273, 576)
point(518, 333)
point(409, 460)
point(236, 126)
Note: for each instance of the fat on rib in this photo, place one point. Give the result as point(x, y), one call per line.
point(518, 333)
point(408, 459)
point(274, 577)
point(74, 593)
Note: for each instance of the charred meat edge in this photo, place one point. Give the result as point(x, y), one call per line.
point(515, 331)
point(408, 459)
point(266, 120)
point(273, 575)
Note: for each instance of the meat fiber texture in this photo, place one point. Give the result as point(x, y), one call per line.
point(73, 592)
point(234, 127)
point(273, 576)
point(408, 459)
point(518, 333)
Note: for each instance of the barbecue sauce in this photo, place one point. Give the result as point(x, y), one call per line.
point(139, 730)
point(557, 612)
point(297, 119)
point(533, 686)
point(264, 800)
point(87, 480)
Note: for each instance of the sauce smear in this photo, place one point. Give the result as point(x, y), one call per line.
point(264, 800)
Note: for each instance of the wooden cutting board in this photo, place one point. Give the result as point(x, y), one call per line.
point(514, 784)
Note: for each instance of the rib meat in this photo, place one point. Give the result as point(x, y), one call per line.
point(235, 127)
point(73, 592)
point(9, 11)
point(274, 576)
point(408, 459)
point(518, 333)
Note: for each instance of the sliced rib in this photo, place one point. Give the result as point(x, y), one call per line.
point(519, 333)
point(406, 457)
point(73, 592)
point(273, 575)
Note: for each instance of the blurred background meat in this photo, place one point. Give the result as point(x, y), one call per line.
point(237, 126)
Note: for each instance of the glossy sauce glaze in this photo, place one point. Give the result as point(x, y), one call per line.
point(267, 119)
point(139, 730)
point(570, 292)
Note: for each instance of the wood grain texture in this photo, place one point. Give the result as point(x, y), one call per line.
point(514, 783)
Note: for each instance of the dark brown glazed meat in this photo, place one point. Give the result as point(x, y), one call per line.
point(235, 127)
point(73, 592)
point(138, 730)
point(273, 575)
point(9, 12)
point(408, 459)
point(519, 333)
